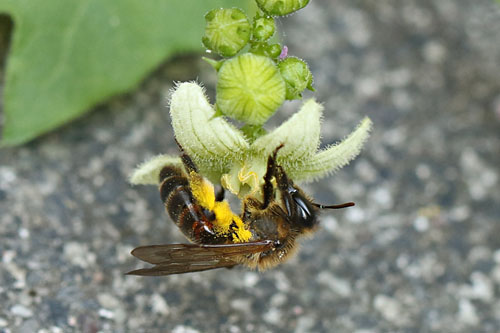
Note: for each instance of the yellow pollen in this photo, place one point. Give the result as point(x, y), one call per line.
point(226, 222)
point(203, 190)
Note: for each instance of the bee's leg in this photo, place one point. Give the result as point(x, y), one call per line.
point(219, 196)
point(186, 160)
point(285, 184)
point(267, 188)
point(188, 163)
point(287, 191)
point(202, 231)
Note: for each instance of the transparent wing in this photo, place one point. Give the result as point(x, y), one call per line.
point(185, 258)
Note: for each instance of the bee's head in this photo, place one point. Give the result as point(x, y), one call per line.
point(303, 212)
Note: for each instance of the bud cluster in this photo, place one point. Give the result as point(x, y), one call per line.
point(252, 85)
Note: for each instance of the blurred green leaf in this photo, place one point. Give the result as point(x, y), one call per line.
point(67, 56)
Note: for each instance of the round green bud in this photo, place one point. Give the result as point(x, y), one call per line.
point(249, 88)
point(269, 50)
point(297, 77)
point(263, 28)
point(227, 31)
point(281, 7)
point(274, 50)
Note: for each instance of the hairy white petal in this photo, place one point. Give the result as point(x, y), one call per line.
point(331, 158)
point(148, 173)
point(300, 135)
point(211, 141)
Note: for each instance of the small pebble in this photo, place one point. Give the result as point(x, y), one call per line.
point(21, 311)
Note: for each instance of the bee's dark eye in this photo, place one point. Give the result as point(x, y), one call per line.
point(301, 209)
point(304, 211)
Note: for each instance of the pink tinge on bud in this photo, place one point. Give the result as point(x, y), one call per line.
point(284, 52)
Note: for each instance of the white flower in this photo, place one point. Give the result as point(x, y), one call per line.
point(224, 155)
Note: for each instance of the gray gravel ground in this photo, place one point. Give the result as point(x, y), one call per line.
point(419, 253)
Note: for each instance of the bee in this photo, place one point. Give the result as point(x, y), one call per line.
point(264, 235)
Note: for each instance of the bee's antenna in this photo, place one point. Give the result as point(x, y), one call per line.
point(344, 205)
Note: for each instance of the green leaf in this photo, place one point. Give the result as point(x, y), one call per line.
point(67, 56)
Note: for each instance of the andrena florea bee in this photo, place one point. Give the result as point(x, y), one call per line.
point(264, 235)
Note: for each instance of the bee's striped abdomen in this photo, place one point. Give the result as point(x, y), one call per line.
point(182, 207)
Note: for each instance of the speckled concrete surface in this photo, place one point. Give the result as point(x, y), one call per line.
point(419, 253)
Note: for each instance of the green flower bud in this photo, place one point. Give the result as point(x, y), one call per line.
point(274, 50)
point(281, 7)
point(227, 31)
point(263, 28)
point(269, 50)
point(297, 77)
point(249, 88)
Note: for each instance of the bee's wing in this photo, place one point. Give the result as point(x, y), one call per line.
point(185, 258)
